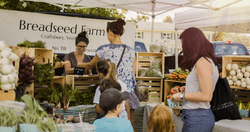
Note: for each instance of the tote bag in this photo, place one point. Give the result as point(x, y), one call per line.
point(223, 104)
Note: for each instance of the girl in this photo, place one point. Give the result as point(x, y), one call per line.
point(126, 68)
point(199, 56)
point(161, 120)
point(107, 71)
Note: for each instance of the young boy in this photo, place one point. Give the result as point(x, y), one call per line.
point(106, 84)
point(111, 102)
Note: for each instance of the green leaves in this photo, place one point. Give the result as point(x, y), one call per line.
point(44, 74)
point(28, 44)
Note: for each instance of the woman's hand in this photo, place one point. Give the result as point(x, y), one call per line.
point(176, 98)
point(81, 64)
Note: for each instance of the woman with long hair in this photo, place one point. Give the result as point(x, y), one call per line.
point(126, 69)
point(199, 57)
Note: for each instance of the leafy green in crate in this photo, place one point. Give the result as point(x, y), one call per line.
point(44, 74)
point(28, 44)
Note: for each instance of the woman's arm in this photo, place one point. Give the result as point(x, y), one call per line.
point(67, 67)
point(89, 65)
point(204, 71)
point(98, 109)
point(127, 108)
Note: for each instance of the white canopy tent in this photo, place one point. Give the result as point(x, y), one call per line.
point(234, 19)
point(147, 7)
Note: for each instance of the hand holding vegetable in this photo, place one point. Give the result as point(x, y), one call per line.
point(81, 64)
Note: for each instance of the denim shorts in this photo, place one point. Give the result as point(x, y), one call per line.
point(198, 120)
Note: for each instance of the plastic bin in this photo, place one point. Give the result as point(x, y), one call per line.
point(8, 129)
point(172, 104)
point(28, 128)
point(244, 113)
point(12, 104)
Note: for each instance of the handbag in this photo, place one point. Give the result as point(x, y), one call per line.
point(223, 104)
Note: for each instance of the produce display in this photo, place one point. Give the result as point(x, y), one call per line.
point(176, 89)
point(26, 76)
point(8, 73)
point(44, 74)
point(154, 70)
point(177, 75)
point(28, 44)
point(238, 75)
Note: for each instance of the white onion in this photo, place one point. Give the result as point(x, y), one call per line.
point(246, 74)
point(5, 61)
point(13, 57)
point(243, 69)
point(230, 82)
point(6, 86)
point(229, 66)
point(234, 78)
point(2, 45)
point(4, 79)
point(6, 53)
point(238, 83)
point(235, 66)
point(243, 84)
point(11, 78)
point(232, 72)
point(7, 69)
point(238, 71)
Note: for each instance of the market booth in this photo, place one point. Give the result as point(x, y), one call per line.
point(63, 88)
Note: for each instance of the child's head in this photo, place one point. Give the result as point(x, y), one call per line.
point(161, 120)
point(106, 69)
point(109, 83)
point(111, 100)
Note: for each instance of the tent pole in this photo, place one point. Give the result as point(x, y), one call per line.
point(152, 28)
point(176, 54)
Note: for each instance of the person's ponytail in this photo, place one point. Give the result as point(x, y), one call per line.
point(111, 72)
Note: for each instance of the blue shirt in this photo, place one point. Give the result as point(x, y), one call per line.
point(113, 125)
point(113, 52)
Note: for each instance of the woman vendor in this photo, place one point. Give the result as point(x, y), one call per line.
point(73, 58)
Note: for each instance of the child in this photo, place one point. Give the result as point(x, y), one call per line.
point(111, 102)
point(161, 120)
point(107, 70)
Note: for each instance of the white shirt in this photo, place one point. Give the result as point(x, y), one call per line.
point(96, 100)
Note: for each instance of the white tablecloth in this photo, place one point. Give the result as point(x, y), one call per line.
point(220, 126)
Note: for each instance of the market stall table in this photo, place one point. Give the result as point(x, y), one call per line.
point(220, 126)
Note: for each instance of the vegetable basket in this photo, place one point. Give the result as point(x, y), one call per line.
point(172, 104)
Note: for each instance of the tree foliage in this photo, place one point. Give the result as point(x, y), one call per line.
point(168, 19)
point(40, 6)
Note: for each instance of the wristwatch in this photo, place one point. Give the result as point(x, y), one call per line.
point(181, 96)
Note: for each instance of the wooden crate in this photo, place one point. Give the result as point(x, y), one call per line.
point(7, 95)
point(240, 93)
point(56, 79)
point(41, 55)
point(233, 59)
point(155, 86)
point(143, 61)
point(168, 85)
point(82, 82)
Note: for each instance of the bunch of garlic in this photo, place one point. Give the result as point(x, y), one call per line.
point(8, 73)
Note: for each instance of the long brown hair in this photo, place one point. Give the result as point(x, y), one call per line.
point(107, 68)
point(116, 27)
point(161, 120)
point(194, 46)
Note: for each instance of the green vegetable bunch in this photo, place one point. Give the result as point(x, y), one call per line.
point(28, 44)
point(7, 117)
point(44, 74)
